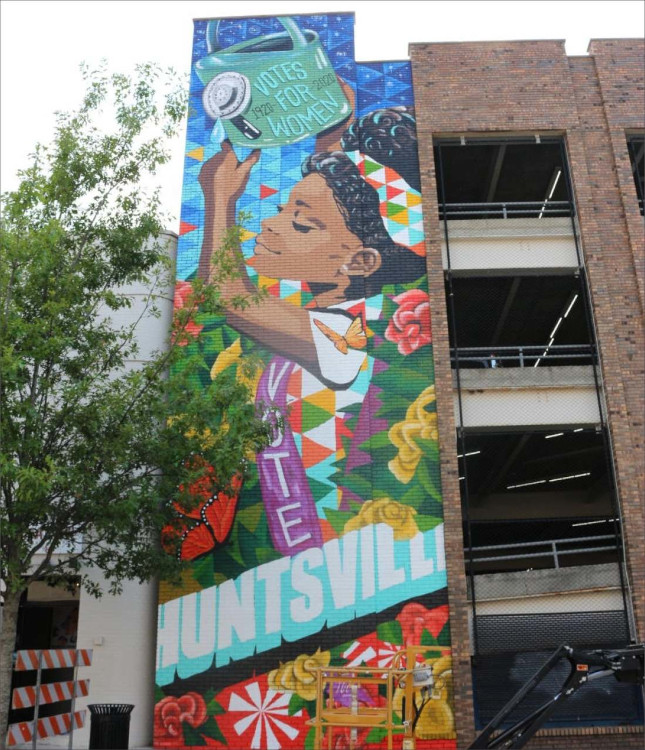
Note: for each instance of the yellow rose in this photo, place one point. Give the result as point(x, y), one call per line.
point(437, 720)
point(226, 358)
point(400, 517)
point(232, 355)
point(206, 436)
point(418, 423)
point(298, 676)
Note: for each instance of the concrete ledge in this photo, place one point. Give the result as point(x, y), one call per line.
point(539, 582)
point(525, 377)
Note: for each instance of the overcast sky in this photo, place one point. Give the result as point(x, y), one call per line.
point(44, 42)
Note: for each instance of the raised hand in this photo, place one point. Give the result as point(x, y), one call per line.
point(223, 177)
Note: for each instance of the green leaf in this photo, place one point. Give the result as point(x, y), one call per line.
point(357, 484)
point(414, 497)
point(402, 381)
point(425, 523)
point(266, 554)
point(379, 440)
point(213, 708)
point(203, 571)
point(193, 736)
point(338, 519)
point(444, 639)
point(394, 407)
point(390, 632)
point(427, 474)
point(427, 639)
point(209, 729)
point(376, 735)
point(250, 517)
point(296, 703)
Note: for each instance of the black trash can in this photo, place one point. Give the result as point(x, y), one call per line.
point(110, 727)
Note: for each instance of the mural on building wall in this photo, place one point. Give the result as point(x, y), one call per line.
point(332, 550)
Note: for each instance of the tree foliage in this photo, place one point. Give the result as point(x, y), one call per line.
point(94, 455)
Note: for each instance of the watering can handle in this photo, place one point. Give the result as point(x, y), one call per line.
point(297, 37)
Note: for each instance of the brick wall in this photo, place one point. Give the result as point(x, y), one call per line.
point(528, 87)
point(591, 738)
point(603, 206)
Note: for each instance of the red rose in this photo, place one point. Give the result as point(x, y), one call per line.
point(170, 713)
point(415, 618)
point(183, 292)
point(410, 324)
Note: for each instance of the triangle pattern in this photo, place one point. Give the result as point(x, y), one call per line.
point(324, 399)
point(313, 416)
point(401, 217)
point(295, 416)
point(294, 386)
point(393, 209)
point(313, 453)
point(196, 153)
point(324, 433)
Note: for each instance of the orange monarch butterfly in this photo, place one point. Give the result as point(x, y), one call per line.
point(355, 337)
point(214, 519)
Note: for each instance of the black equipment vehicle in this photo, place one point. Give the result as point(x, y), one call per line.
point(587, 665)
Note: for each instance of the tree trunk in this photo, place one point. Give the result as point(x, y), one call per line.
point(7, 643)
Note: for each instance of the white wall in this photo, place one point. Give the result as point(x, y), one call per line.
point(122, 629)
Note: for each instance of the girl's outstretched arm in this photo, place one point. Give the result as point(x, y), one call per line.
point(275, 324)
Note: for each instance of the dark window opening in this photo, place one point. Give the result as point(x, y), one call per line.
point(636, 148)
point(501, 179)
point(538, 500)
point(542, 559)
point(518, 321)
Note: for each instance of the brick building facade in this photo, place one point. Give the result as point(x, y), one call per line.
point(593, 103)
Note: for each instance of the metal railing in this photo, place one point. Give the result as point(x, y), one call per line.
point(553, 549)
point(505, 210)
point(521, 356)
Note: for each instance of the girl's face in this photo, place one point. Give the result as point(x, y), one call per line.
point(307, 240)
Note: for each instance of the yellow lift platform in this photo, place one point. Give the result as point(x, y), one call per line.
point(332, 682)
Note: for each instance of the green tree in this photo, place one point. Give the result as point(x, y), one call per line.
point(94, 456)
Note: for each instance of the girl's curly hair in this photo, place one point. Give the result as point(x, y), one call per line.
point(390, 137)
point(359, 202)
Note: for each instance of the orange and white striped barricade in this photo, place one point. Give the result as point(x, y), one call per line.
point(23, 731)
point(53, 658)
point(26, 697)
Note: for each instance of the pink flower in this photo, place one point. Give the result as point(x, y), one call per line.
point(410, 324)
point(183, 292)
point(171, 713)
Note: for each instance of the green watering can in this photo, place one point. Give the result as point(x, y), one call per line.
point(272, 90)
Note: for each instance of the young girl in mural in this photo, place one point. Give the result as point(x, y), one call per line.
point(329, 234)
